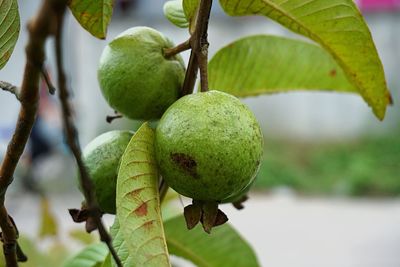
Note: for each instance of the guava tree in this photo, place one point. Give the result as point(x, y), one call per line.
point(207, 145)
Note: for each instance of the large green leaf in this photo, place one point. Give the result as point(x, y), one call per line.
point(91, 256)
point(264, 64)
point(173, 11)
point(138, 203)
point(93, 15)
point(338, 27)
point(223, 248)
point(9, 29)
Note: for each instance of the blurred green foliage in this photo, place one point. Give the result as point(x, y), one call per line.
point(366, 167)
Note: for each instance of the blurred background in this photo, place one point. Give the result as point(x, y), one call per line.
point(328, 190)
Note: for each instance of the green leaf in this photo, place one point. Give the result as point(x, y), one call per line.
point(93, 15)
point(173, 11)
point(91, 256)
point(120, 245)
point(223, 248)
point(9, 29)
point(264, 64)
point(190, 8)
point(107, 262)
point(48, 225)
point(338, 27)
point(138, 203)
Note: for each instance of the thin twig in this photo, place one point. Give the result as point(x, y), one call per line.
point(191, 74)
point(39, 30)
point(170, 52)
point(201, 44)
point(199, 54)
point(163, 189)
point(10, 88)
point(111, 118)
point(73, 142)
point(46, 77)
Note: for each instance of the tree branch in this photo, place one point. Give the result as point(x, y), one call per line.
point(170, 52)
point(163, 189)
point(10, 88)
point(46, 77)
point(73, 142)
point(199, 54)
point(39, 30)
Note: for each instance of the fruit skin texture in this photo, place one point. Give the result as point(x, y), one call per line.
point(135, 77)
point(208, 146)
point(102, 157)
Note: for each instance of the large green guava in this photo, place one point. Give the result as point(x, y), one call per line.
point(102, 157)
point(208, 146)
point(135, 77)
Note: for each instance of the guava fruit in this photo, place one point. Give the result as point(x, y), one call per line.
point(135, 77)
point(208, 146)
point(102, 157)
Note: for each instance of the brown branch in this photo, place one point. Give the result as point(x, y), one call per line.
point(111, 118)
point(170, 52)
point(46, 77)
point(163, 189)
point(73, 142)
point(5, 86)
point(29, 95)
point(191, 74)
point(198, 59)
point(199, 54)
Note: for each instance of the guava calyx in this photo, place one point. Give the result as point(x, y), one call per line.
point(84, 214)
point(205, 212)
point(238, 204)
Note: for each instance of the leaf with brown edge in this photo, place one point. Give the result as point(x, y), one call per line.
point(138, 202)
point(9, 29)
point(338, 26)
point(93, 15)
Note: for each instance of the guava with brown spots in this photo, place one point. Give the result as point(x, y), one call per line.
point(208, 146)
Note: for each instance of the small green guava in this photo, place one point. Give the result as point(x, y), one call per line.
point(136, 78)
point(208, 146)
point(102, 158)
